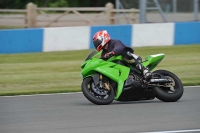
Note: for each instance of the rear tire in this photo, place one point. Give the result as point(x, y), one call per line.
point(163, 93)
point(94, 97)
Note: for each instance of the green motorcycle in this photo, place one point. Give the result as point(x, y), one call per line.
point(104, 80)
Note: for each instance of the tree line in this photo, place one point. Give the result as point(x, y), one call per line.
point(21, 4)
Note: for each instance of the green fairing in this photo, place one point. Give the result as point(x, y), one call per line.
point(152, 61)
point(114, 71)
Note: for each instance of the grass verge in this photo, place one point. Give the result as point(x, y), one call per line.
point(58, 72)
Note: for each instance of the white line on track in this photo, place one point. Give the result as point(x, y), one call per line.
point(70, 93)
point(176, 131)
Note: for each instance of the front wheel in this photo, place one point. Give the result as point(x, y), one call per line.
point(169, 92)
point(98, 95)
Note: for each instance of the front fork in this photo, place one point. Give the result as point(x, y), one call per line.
point(98, 80)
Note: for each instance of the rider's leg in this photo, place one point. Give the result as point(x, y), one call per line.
point(137, 62)
point(145, 71)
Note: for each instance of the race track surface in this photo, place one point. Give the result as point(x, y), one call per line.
point(73, 113)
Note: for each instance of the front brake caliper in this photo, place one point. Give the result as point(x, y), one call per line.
point(101, 85)
point(106, 86)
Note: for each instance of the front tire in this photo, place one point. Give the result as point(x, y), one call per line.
point(93, 94)
point(170, 92)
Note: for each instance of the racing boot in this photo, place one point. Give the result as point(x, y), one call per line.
point(147, 74)
point(145, 71)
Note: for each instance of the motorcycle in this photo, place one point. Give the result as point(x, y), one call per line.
point(104, 80)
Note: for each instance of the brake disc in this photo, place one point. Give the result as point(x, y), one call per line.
point(98, 90)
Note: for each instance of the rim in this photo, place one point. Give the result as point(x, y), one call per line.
point(97, 92)
point(171, 87)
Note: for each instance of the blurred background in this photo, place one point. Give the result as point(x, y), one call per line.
point(58, 13)
point(44, 36)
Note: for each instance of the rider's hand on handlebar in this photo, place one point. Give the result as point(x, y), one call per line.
point(108, 55)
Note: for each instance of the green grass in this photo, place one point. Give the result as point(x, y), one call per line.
point(56, 72)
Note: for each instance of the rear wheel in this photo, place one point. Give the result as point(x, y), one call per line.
point(169, 92)
point(98, 95)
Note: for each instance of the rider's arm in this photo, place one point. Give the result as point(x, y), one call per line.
point(115, 48)
point(118, 47)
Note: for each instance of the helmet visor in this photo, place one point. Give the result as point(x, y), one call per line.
point(97, 43)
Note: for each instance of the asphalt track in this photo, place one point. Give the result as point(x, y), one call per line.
point(73, 113)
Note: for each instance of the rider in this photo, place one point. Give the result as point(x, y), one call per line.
point(111, 47)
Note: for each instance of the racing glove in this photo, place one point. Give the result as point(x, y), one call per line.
point(109, 54)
